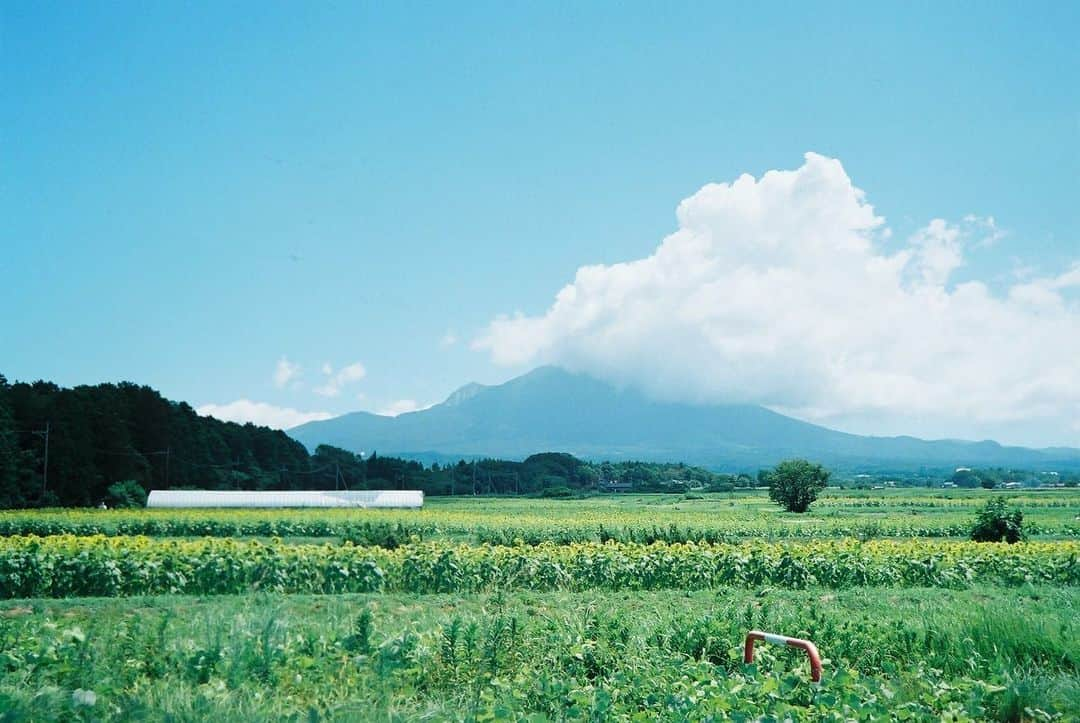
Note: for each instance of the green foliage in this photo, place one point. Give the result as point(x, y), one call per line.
point(616, 607)
point(108, 432)
point(360, 639)
point(558, 491)
point(1048, 514)
point(795, 483)
point(997, 523)
point(67, 566)
point(990, 477)
point(126, 494)
point(966, 478)
point(10, 493)
point(985, 654)
point(345, 468)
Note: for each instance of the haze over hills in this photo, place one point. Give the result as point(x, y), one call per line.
point(550, 409)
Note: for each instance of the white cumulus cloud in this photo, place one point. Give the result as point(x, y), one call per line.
point(334, 382)
point(261, 413)
point(777, 291)
point(285, 372)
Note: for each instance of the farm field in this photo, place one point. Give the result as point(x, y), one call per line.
point(611, 608)
point(630, 518)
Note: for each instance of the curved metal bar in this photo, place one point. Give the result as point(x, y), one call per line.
point(805, 645)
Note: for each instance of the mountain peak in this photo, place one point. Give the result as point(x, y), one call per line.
point(550, 409)
point(464, 394)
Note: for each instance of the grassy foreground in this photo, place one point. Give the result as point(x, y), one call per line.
point(623, 608)
point(981, 653)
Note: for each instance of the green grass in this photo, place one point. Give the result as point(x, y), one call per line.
point(967, 649)
point(664, 655)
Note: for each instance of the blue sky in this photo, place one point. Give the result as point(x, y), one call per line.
point(191, 193)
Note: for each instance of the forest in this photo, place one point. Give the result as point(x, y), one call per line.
point(66, 447)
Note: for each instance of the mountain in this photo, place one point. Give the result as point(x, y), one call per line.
point(550, 409)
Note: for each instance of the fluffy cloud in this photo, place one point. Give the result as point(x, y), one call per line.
point(285, 372)
point(245, 410)
point(401, 406)
point(331, 387)
point(777, 291)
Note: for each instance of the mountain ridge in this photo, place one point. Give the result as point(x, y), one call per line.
point(550, 409)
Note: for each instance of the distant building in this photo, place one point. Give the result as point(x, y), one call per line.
point(615, 486)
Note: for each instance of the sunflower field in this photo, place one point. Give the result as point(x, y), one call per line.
point(619, 608)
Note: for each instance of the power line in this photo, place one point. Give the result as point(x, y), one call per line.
point(45, 470)
point(170, 455)
point(232, 465)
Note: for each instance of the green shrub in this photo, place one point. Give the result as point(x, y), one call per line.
point(995, 523)
point(127, 493)
point(558, 491)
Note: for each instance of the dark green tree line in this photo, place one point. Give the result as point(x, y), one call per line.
point(102, 434)
point(125, 434)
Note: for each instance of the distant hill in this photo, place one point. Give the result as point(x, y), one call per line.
point(106, 433)
point(550, 409)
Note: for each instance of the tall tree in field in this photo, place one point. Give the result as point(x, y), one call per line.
point(795, 484)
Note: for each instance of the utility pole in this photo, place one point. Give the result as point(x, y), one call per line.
point(167, 451)
point(45, 471)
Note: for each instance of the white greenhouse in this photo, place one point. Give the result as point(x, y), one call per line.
point(292, 498)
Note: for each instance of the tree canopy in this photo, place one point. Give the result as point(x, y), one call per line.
point(795, 484)
point(107, 433)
